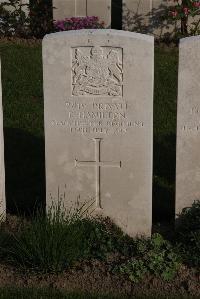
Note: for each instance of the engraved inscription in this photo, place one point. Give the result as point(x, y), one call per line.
point(101, 118)
point(192, 125)
point(97, 71)
point(194, 110)
point(97, 164)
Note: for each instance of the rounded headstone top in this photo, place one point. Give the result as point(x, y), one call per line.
point(190, 39)
point(113, 32)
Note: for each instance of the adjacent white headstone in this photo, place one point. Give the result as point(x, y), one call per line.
point(147, 16)
point(2, 169)
point(188, 124)
point(82, 8)
point(98, 89)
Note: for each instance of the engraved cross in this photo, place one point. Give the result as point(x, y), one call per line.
point(97, 164)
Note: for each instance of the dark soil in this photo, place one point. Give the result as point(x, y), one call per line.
point(98, 277)
point(95, 276)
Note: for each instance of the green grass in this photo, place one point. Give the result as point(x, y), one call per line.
point(22, 88)
point(52, 243)
point(23, 126)
point(24, 130)
point(165, 105)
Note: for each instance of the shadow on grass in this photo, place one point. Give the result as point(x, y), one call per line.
point(25, 171)
point(164, 178)
point(25, 174)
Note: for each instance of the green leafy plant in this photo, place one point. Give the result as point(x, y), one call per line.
point(134, 269)
point(188, 234)
point(155, 256)
point(103, 237)
point(26, 20)
point(98, 241)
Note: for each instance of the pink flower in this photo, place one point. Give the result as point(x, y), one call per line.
point(174, 13)
point(186, 11)
point(76, 23)
point(196, 4)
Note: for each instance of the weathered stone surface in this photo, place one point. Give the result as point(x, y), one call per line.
point(82, 8)
point(98, 88)
point(2, 169)
point(188, 124)
point(64, 9)
point(136, 15)
point(101, 9)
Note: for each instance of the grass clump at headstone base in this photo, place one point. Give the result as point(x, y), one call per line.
point(55, 242)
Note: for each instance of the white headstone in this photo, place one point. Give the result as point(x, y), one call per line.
point(98, 89)
point(82, 8)
point(188, 124)
point(146, 16)
point(2, 169)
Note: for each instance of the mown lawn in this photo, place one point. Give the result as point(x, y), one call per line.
point(165, 106)
point(24, 128)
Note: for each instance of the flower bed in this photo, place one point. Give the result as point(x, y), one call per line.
point(76, 23)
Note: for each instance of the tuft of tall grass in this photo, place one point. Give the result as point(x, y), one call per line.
point(54, 241)
point(49, 242)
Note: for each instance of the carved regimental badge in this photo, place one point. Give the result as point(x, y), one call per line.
point(97, 71)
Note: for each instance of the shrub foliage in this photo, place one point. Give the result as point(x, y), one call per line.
point(155, 256)
point(14, 21)
point(41, 17)
point(188, 234)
